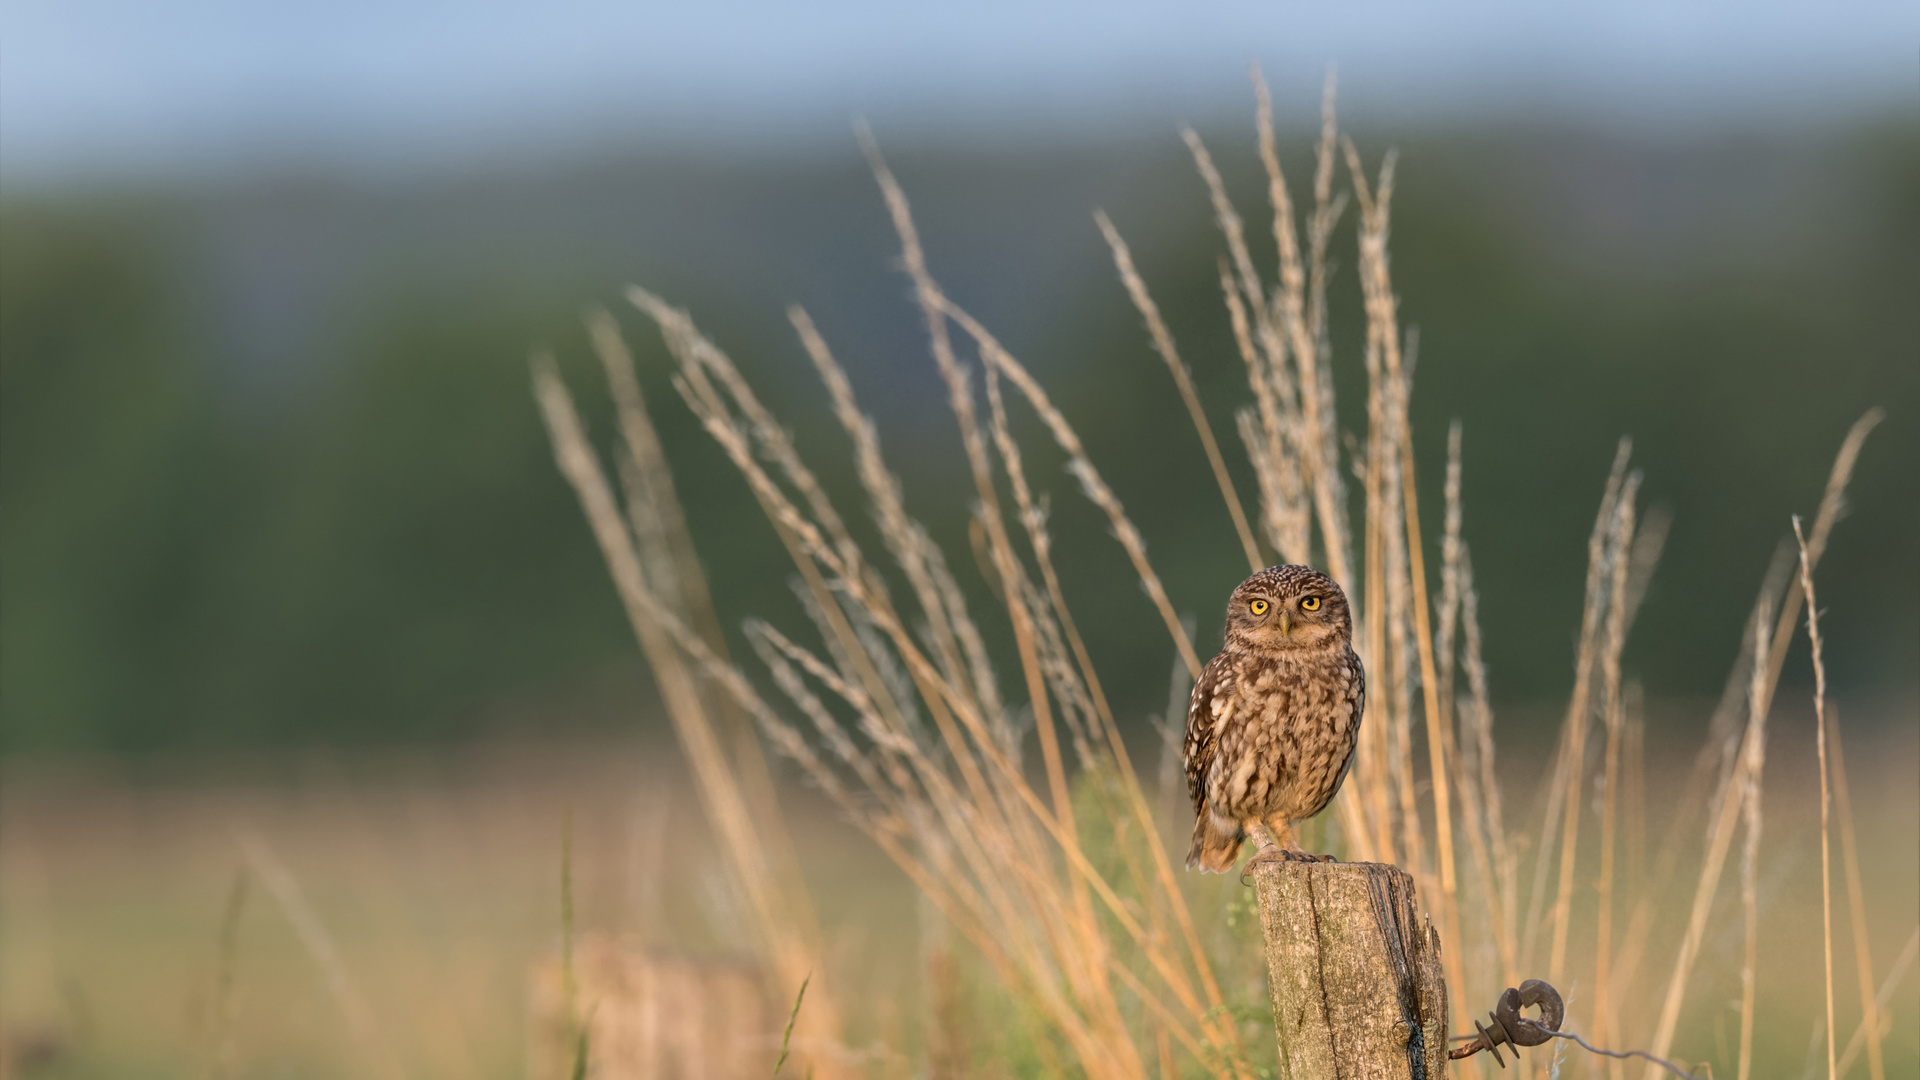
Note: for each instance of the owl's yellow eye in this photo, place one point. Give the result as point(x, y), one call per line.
point(1258, 607)
point(1311, 603)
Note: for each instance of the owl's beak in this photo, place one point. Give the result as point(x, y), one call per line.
point(1286, 624)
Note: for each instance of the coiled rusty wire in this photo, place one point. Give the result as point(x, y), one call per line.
point(1509, 1027)
point(1513, 1029)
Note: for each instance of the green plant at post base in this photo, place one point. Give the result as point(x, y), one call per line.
point(224, 977)
point(580, 1049)
point(578, 1030)
point(1242, 911)
point(567, 986)
point(791, 1017)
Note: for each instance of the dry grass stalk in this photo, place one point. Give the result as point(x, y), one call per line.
point(1465, 747)
point(1374, 758)
point(1724, 816)
point(1389, 551)
point(906, 539)
point(1082, 468)
point(1480, 716)
point(1633, 784)
point(1826, 799)
point(1613, 641)
point(1563, 791)
point(1618, 616)
point(313, 935)
point(995, 803)
point(1163, 344)
point(1697, 795)
point(1754, 761)
point(1286, 510)
point(705, 364)
point(1767, 663)
point(1085, 699)
point(701, 363)
point(1611, 717)
point(1856, 905)
point(669, 555)
point(1393, 665)
point(1390, 387)
point(1298, 306)
point(1723, 746)
point(1003, 363)
point(1833, 505)
point(1274, 388)
point(781, 920)
point(1447, 618)
point(1870, 1034)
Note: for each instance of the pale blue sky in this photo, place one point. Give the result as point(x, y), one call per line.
point(102, 87)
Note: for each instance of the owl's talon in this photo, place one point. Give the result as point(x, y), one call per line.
point(1281, 855)
point(1266, 855)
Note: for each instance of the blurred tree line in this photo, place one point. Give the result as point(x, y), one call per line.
point(269, 472)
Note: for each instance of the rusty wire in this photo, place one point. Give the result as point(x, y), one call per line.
point(1510, 1027)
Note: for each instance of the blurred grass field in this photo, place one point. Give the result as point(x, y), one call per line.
point(437, 876)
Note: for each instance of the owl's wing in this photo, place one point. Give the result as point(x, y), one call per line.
point(1356, 688)
point(1206, 711)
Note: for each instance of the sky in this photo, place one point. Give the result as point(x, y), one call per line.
point(105, 88)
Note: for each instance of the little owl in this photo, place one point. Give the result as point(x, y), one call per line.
point(1273, 721)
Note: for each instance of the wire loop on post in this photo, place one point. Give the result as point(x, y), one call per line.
point(1513, 1029)
point(1516, 1030)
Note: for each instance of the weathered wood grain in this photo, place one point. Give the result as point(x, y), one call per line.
point(1358, 992)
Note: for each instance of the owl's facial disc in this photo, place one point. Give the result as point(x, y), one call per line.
point(1287, 608)
point(1281, 620)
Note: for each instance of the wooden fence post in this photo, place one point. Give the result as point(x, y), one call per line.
point(1355, 974)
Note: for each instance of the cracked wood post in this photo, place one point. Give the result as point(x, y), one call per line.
point(1355, 974)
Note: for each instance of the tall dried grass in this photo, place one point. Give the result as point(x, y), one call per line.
point(1059, 877)
point(1871, 1004)
point(1826, 798)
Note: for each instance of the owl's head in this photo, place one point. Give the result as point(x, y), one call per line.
point(1289, 607)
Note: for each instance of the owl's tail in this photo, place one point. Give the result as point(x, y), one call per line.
point(1216, 843)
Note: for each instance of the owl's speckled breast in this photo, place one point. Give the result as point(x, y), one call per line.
point(1287, 735)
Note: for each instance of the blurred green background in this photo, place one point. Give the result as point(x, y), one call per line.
point(270, 473)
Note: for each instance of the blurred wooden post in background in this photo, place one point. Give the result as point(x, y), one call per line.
point(1356, 978)
point(652, 1016)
